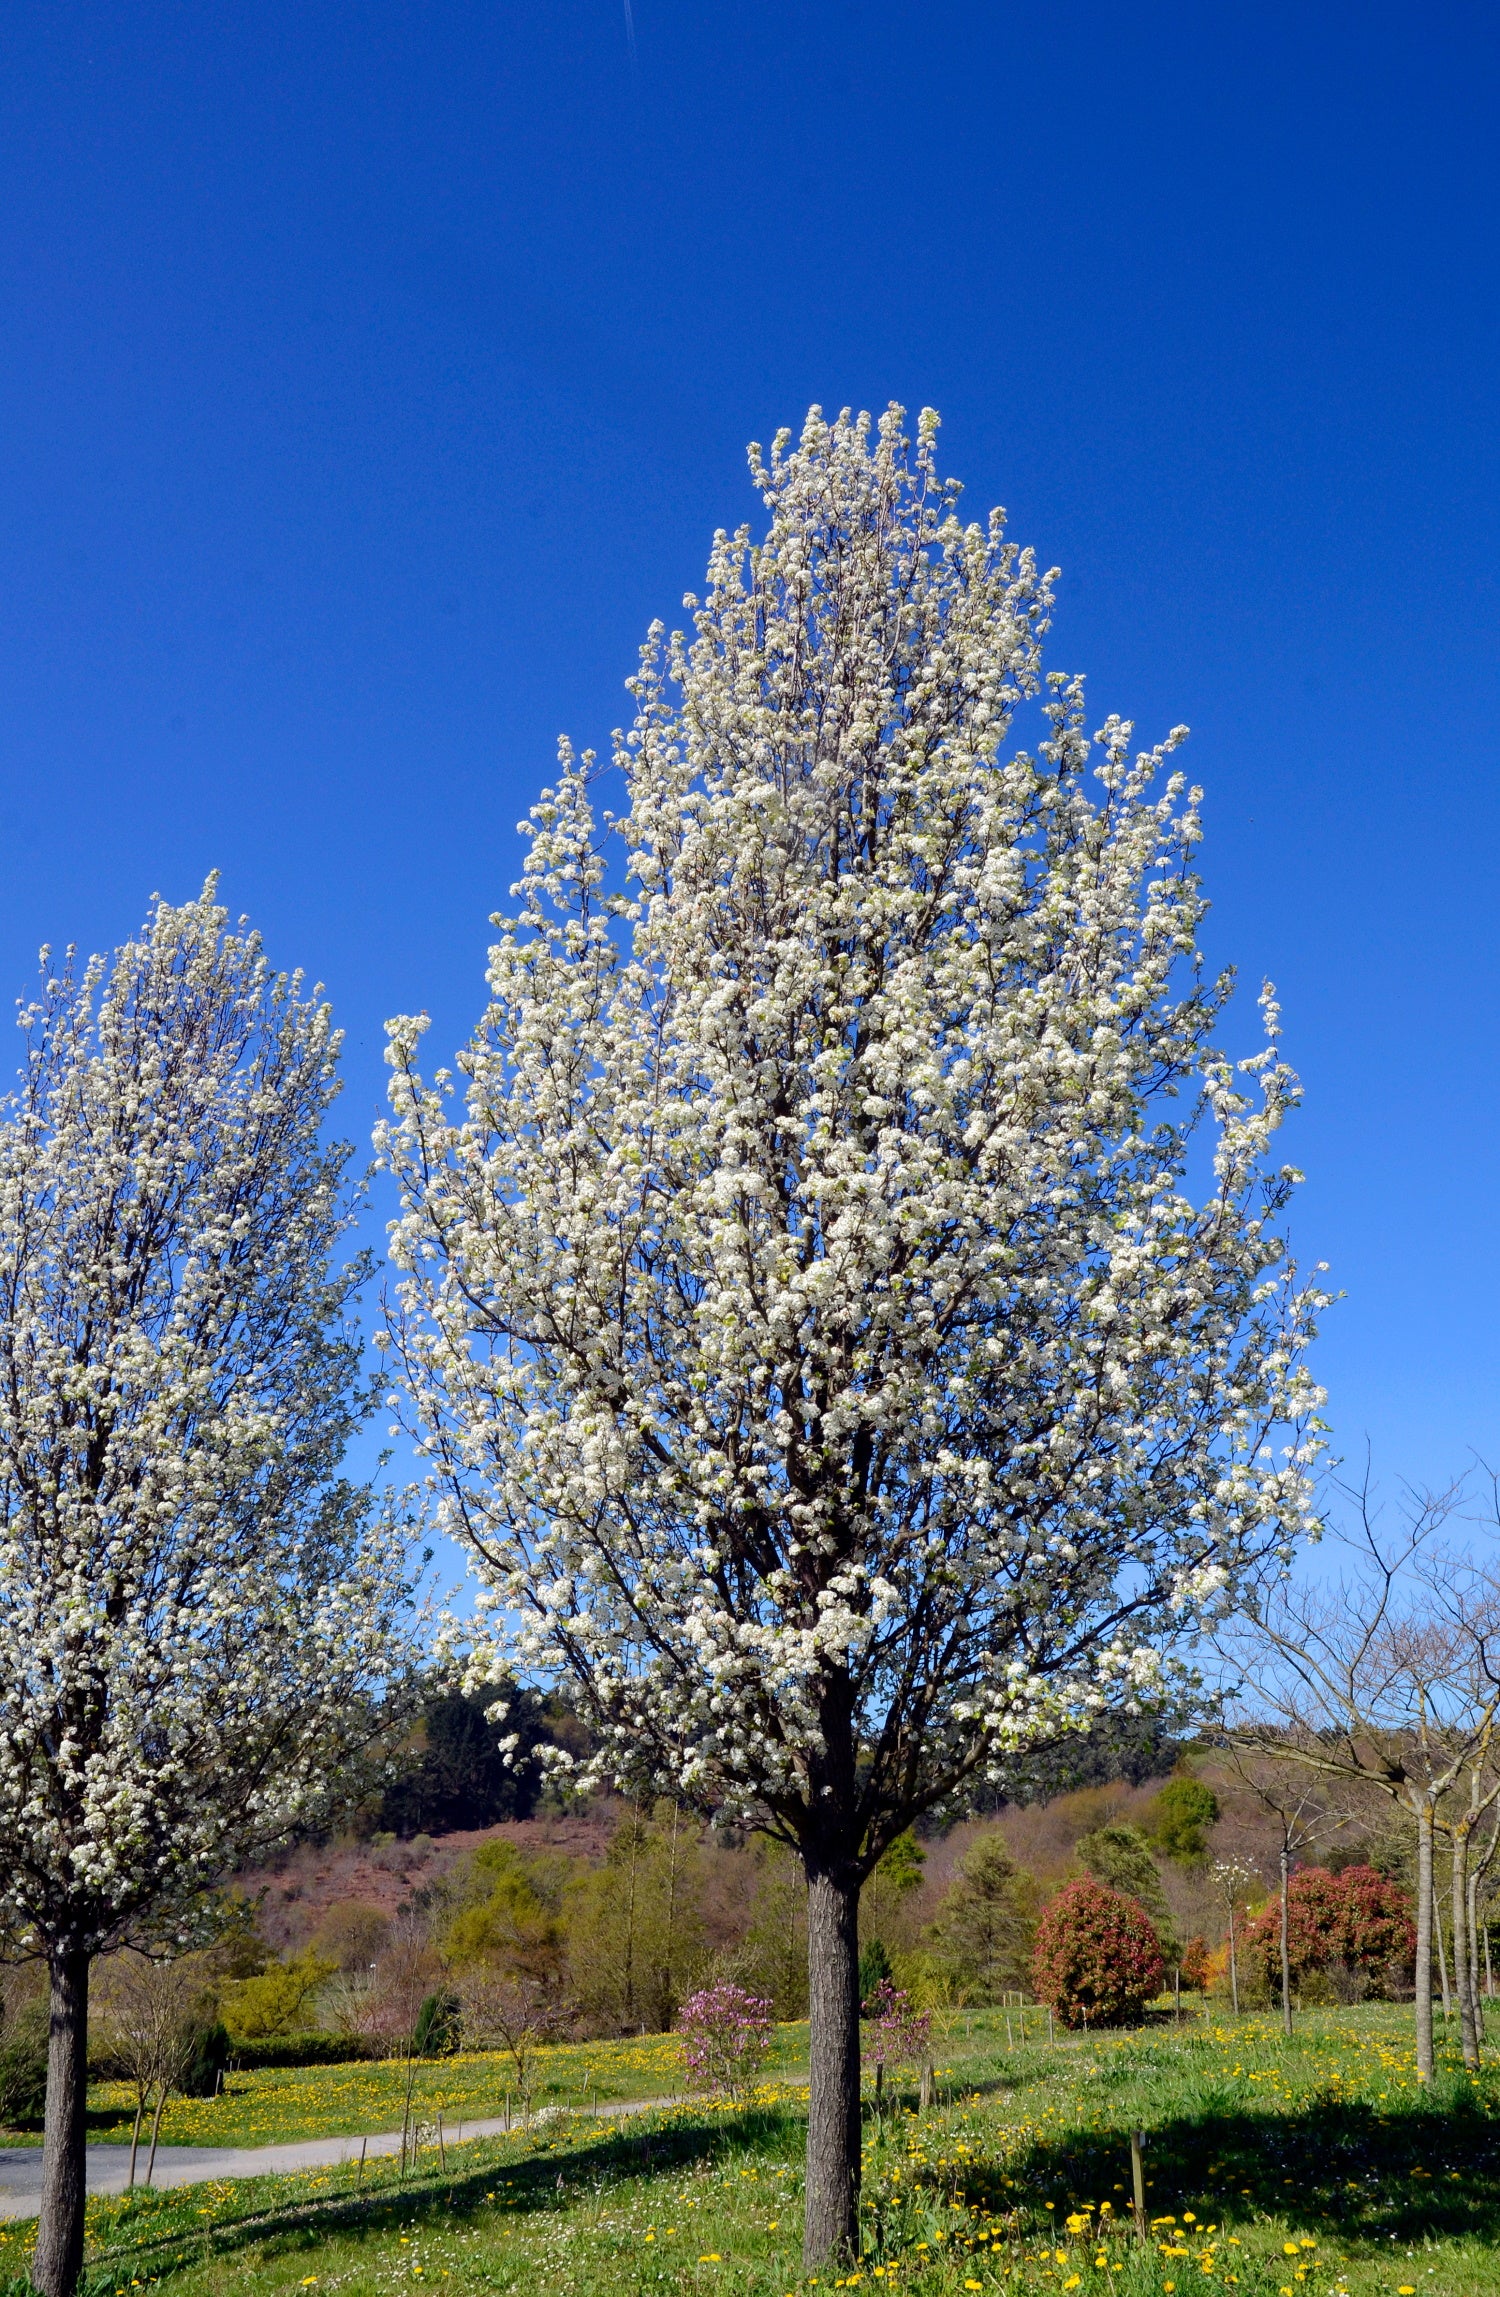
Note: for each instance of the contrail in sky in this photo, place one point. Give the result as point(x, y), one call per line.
point(630, 33)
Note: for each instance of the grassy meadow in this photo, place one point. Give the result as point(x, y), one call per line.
point(1318, 2169)
point(278, 2104)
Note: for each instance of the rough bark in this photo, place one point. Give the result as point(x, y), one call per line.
point(59, 2242)
point(1424, 1944)
point(832, 2223)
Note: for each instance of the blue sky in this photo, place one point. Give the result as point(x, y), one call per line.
point(374, 374)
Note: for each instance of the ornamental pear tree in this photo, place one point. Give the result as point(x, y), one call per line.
point(199, 1612)
point(800, 1299)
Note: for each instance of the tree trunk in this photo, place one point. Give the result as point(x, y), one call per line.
point(1472, 1911)
point(832, 2221)
point(1234, 1973)
point(669, 1984)
point(161, 2107)
point(1442, 1947)
point(1469, 2041)
point(59, 2241)
point(1424, 1944)
point(1286, 1959)
point(635, 1849)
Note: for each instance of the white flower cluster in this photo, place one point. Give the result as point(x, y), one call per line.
point(192, 1611)
point(802, 1307)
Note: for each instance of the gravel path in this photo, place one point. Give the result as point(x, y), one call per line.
point(109, 2165)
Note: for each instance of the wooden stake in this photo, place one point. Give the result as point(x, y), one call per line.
point(359, 2181)
point(1138, 2180)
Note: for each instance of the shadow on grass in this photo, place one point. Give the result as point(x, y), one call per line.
point(556, 2176)
point(1339, 2167)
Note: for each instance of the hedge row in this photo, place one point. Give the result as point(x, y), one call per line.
point(300, 2050)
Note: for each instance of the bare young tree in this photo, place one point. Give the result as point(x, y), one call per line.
point(149, 2012)
point(805, 1314)
point(408, 1973)
point(1474, 1797)
point(198, 1607)
point(1385, 1677)
point(1304, 1815)
point(1232, 1880)
point(506, 2009)
point(1481, 1896)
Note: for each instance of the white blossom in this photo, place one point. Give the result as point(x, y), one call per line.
point(802, 1301)
point(194, 1610)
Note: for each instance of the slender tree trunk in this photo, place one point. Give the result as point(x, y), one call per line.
point(1472, 1910)
point(411, 2076)
point(668, 2004)
point(135, 2135)
point(1286, 1958)
point(1468, 2039)
point(1442, 1947)
point(161, 2107)
point(635, 1851)
point(1234, 1973)
point(1424, 1944)
point(832, 2220)
point(59, 2241)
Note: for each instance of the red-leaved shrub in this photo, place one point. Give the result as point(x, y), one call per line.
point(1098, 1961)
point(1353, 1927)
point(1194, 1965)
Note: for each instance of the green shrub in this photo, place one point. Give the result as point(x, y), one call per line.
point(277, 2001)
point(874, 1970)
point(1179, 1819)
point(308, 2049)
point(437, 2027)
point(1119, 1856)
point(23, 2078)
point(209, 2054)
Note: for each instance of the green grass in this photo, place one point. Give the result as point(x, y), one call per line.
point(1274, 2172)
point(274, 2106)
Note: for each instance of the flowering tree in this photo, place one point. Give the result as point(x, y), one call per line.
point(726, 2033)
point(803, 1311)
point(196, 1606)
point(899, 2032)
point(1098, 1960)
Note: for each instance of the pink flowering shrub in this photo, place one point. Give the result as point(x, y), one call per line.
point(899, 2031)
point(725, 2036)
